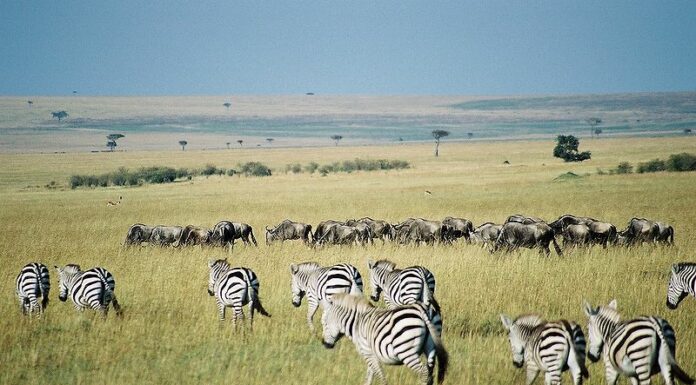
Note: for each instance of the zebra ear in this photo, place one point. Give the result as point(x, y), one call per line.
point(293, 268)
point(612, 304)
point(370, 264)
point(57, 268)
point(676, 268)
point(507, 322)
point(211, 263)
point(589, 311)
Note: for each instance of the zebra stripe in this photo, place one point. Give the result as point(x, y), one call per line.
point(682, 282)
point(549, 347)
point(33, 282)
point(396, 336)
point(93, 288)
point(637, 348)
point(401, 286)
point(234, 287)
point(318, 282)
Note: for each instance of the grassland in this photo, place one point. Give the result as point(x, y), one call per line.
point(170, 332)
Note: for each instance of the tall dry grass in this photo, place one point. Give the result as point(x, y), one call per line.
point(170, 332)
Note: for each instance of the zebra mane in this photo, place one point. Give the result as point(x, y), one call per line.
point(219, 263)
point(306, 267)
point(528, 320)
point(384, 263)
point(71, 268)
point(608, 313)
point(351, 302)
point(679, 266)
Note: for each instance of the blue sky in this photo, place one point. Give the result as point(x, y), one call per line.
point(349, 47)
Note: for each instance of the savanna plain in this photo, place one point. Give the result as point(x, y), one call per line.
point(170, 332)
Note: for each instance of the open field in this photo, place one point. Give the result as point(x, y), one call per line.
point(170, 332)
point(158, 123)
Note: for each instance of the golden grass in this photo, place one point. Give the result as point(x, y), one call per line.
point(170, 333)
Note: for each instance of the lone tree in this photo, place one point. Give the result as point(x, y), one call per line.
point(269, 140)
point(567, 149)
point(111, 140)
point(240, 142)
point(336, 138)
point(470, 135)
point(439, 134)
point(687, 131)
point(228, 145)
point(598, 131)
point(30, 102)
point(227, 104)
point(593, 122)
point(59, 115)
point(183, 144)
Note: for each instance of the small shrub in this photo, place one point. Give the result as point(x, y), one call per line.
point(209, 169)
point(601, 172)
point(624, 168)
point(76, 181)
point(681, 162)
point(311, 167)
point(231, 172)
point(254, 169)
point(654, 165)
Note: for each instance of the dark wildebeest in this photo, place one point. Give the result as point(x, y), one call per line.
point(323, 227)
point(137, 234)
point(514, 235)
point(379, 228)
point(421, 231)
point(364, 231)
point(289, 230)
point(486, 234)
point(665, 234)
point(576, 235)
point(640, 230)
point(339, 235)
point(458, 228)
point(165, 235)
point(519, 218)
point(600, 232)
point(225, 233)
point(194, 235)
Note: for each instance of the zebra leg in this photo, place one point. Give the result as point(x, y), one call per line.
point(424, 373)
point(251, 313)
point(552, 377)
point(116, 305)
point(665, 365)
point(374, 368)
point(237, 314)
point(312, 306)
point(221, 310)
point(532, 373)
point(611, 374)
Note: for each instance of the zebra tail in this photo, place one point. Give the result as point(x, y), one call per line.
point(259, 307)
point(681, 375)
point(440, 352)
point(678, 372)
point(427, 295)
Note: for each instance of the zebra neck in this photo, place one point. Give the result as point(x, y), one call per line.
point(70, 282)
point(217, 274)
point(606, 325)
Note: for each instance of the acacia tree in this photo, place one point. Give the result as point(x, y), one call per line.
point(59, 115)
point(438, 134)
point(269, 140)
point(598, 131)
point(567, 149)
point(111, 144)
point(336, 138)
point(111, 140)
point(240, 142)
point(183, 144)
point(593, 122)
point(227, 104)
point(228, 145)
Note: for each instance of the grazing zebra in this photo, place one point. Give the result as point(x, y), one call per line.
point(234, 287)
point(637, 348)
point(318, 282)
point(92, 288)
point(682, 282)
point(33, 282)
point(401, 286)
point(391, 336)
point(550, 347)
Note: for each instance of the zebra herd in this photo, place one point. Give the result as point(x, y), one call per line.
point(411, 324)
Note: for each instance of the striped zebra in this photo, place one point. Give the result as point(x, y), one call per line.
point(549, 347)
point(396, 336)
point(33, 282)
point(318, 282)
point(637, 348)
point(93, 288)
point(682, 282)
point(234, 287)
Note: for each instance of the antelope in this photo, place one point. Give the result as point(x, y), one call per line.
point(112, 203)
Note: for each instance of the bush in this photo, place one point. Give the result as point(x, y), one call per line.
point(311, 167)
point(651, 166)
point(231, 172)
point(210, 169)
point(681, 162)
point(624, 168)
point(567, 149)
point(254, 169)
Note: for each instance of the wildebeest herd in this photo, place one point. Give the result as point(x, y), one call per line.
point(517, 231)
point(411, 324)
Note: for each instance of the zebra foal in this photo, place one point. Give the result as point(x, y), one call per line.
point(396, 336)
point(316, 282)
point(637, 348)
point(32, 282)
point(549, 347)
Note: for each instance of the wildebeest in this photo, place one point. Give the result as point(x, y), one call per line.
point(289, 230)
point(640, 230)
point(379, 228)
point(323, 227)
point(364, 231)
point(137, 234)
point(165, 235)
point(226, 232)
point(486, 234)
point(665, 234)
point(600, 232)
point(420, 231)
point(514, 235)
point(339, 235)
point(458, 228)
point(576, 235)
point(519, 218)
point(194, 235)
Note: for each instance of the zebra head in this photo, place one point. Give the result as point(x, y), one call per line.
point(378, 275)
point(601, 321)
point(519, 331)
point(300, 279)
point(341, 311)
point(676, 290)
point(217, 269)
point(65, 277)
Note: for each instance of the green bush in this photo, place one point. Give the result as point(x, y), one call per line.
point(311, 167)
point(254, 169)
point(624, 168)
point(651, 166)
point(681, 162)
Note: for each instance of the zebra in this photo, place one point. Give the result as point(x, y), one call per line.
point(317, 282)
point(391, 336)
point(92, 288)
point(637, 348)
point(550, 347)
point(682, 282)
point(234, 287)
point(33, 282)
